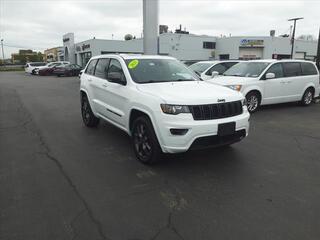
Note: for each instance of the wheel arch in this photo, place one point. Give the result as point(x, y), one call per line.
point(137, 112)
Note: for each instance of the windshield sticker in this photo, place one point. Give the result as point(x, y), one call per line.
point(133, 64)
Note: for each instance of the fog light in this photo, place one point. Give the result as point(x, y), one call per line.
point(178, 131)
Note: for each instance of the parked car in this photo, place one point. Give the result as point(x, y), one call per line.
point(161, 104)
point(67, 70)
point(210, 69)
point(271, 81)
point(189, 62)
point(32, 65)
point(47, 69)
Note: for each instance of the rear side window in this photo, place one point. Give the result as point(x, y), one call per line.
point(91, 66)
point(292, 69)
point(308, 69)
point(102, 68)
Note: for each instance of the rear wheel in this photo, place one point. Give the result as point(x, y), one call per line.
point(89, 119)
point(145, 142)
point(307, 97)
point(253, 101)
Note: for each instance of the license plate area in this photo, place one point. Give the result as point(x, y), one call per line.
point(226, 129)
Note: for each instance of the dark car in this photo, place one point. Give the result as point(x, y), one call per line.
point(48, 70)
point(67, 70)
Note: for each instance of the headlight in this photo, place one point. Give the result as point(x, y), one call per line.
point(174, 109)
point(235, 87)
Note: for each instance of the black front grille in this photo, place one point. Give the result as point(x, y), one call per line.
point(216, 111)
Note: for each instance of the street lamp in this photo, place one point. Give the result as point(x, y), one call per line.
point(294, 32)
point(2, 50)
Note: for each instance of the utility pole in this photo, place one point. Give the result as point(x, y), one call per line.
point(293, 34)
point(2, 50)
point(318, 53)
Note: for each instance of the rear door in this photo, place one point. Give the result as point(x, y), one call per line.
point(99, 84)
point(293, 82)
point(88, 78)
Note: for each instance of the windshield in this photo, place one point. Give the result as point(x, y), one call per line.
point(53, 64)
point(200, 67)
point(247, 69)
point(159, 70)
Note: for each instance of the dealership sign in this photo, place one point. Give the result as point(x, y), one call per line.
point(251, 43)
point(83, 47)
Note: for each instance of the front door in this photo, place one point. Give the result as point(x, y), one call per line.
point(273, 88)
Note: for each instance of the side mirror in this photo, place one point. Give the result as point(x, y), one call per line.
point(270, 75)
point(214, 74)
point(116, 77)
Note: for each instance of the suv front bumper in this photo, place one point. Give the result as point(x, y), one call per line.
point(200, 134)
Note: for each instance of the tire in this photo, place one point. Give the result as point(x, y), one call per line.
point(253, 101)
point(145, 142)
point(89, 119)
point(307, 97)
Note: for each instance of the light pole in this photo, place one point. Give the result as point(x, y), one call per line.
point(293, 34)
point(2, 50)
point(150, 27)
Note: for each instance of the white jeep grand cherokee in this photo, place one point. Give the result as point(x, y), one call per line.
point(161, 104)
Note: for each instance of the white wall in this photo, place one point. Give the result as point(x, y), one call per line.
point(185, 46)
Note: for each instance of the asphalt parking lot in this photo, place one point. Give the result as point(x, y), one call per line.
point(61, 180)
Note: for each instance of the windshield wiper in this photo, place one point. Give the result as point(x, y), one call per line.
point(152, 81)
point(232, 75)
point(181, 80)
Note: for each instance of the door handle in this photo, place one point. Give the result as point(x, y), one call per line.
point(89, 80)
point(104, 85)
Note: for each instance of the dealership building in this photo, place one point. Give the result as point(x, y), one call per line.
point(189, 47)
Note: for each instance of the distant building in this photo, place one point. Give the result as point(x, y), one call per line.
point(188, 47)
point(180, 46)
point(53, 54)
point(26, 56)
point(264, 47)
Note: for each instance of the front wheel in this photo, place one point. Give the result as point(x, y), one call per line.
point(253, 101)
point(89, 119)
point(307, 97)
point(145, 143)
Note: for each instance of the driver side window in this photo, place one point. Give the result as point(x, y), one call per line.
point(277, 70)
point(115, 70)
point(220, 68)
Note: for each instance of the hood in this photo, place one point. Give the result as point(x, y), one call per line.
point(190, 93)
point(231, 80)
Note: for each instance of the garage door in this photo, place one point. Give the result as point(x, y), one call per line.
point(299, 55)
point(251, 53)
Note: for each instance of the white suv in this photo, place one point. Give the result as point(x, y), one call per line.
point(210, 69)
point(29, 67)
point(271, 81)
point(161, 104)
